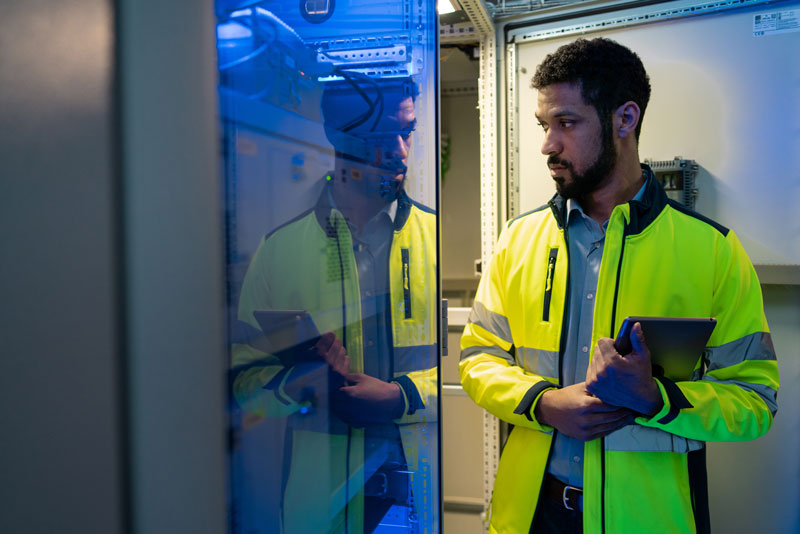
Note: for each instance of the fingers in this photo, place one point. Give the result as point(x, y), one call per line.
point(351, 379)
point(605, 355)
point(600, 407)
point(604, 423)
point(333, 352)
point(603, 429)
point(325, 342)
point(606, 348)
point(637, 339)
point(591, 371)
point(342, 363)
point(598, 425)
point(604, 363)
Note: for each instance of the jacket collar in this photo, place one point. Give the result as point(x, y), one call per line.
point(642, 212)
point(323, 208)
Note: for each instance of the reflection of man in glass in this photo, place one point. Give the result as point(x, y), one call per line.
point(362, 265)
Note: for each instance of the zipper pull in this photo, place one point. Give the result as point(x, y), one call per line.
point(548, 283)
point(551, 266)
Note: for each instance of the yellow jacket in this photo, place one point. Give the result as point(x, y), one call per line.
point(308, 264)
point(659, 259)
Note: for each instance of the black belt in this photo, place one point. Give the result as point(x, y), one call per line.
point(568, 496)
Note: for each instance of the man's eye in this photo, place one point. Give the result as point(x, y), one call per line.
point(542, 126)
point(567, 124)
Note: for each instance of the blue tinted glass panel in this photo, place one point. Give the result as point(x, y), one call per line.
point(328, 119)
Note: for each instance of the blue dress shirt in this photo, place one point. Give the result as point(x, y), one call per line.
point(586, 242)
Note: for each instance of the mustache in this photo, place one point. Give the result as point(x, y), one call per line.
point(555, 160)
point(394, 164)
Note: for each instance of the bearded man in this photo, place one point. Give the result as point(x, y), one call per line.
point(360, 405)
point(599, 443)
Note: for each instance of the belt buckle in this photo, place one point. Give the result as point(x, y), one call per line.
point(565, 498)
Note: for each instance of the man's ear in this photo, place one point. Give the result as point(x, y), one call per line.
point(627, 118)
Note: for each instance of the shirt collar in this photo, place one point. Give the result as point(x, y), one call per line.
point(389, 210)
point(574, 206)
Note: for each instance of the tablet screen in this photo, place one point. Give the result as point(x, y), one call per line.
point(676, 343)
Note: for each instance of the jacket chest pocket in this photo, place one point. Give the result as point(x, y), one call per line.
point(535, 301)
point(550, 275)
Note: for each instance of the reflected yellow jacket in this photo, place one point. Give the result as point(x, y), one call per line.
point(308, 264)
point(659, 259)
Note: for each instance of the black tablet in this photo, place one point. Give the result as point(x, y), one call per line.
point(676, 343)
point(291, 334)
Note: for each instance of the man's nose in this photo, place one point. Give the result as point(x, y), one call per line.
point(551, 144)
point(399, 147)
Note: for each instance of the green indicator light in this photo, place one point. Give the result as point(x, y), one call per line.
point(329, 177)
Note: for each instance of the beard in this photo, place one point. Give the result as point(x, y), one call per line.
point(587, 182)
point(390, 187)
point(390, 178)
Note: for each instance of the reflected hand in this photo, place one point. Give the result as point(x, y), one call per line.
point(625, 381)
point(306, 381)
point(312, 383)
point(575, 412)
point(365, 399)
point(330, 348)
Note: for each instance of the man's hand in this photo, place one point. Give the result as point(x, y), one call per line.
point(311, 382)
point(625, 381)
point(365, 399)
point(573, 411)
point(330, 348)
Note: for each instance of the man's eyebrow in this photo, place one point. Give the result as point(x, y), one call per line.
point(563, 112)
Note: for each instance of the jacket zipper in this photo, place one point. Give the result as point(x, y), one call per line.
point(563, 341)
point(612, 334)
point(548, 283)
point(551, 261)
point(406, 282)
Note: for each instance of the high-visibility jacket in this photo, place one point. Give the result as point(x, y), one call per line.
point(308, 264)
point(659, 259)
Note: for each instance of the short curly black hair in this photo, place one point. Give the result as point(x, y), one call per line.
point(609, 73)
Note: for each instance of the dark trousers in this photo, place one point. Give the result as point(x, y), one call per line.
point(552, 518)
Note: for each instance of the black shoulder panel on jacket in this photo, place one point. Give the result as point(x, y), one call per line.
point(404, 204)
point(521, 215)
point(287, 223)
point(556, 203)
point(422, 207)
point(643, 212)
point(686, 211)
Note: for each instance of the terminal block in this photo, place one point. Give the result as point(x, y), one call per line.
point(677, 176)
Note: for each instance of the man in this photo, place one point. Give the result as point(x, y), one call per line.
point(599, 444)
point(362, 264)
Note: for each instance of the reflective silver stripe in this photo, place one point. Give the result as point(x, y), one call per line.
point(769, 395)
point(492, 350)
point(538, 361)
point(756, 346)
point(638, 438)
point(490, 321)
point(415, 358)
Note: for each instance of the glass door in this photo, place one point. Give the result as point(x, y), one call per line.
point(328, 118)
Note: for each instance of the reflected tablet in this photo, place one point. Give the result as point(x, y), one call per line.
point(290, 334)
point(675, 343)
